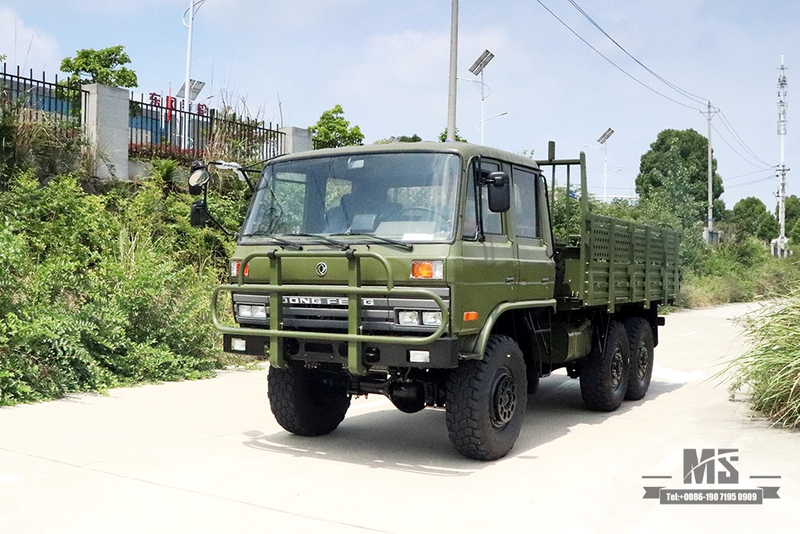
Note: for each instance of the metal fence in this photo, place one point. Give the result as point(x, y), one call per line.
point(160, 128)
point(39, 100)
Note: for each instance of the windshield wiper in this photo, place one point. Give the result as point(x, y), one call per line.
point(334, 242)
point(380, 239)
point(281, 242)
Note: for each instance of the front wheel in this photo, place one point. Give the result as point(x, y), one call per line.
point(307, 402)
point(486, 399)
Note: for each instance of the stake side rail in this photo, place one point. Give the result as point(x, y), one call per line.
point(627, 262)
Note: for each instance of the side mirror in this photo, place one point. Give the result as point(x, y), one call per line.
point(198, 178)
point(499, 192)
point(199, 216)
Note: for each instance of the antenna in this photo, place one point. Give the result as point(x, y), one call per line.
point(779, 244)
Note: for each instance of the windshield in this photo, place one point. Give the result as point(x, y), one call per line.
point(408, 197)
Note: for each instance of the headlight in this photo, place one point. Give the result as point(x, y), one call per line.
point(255, 311)
point(408, 318)
point(431, 318)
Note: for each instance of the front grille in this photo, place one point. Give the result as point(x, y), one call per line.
point(329, 313)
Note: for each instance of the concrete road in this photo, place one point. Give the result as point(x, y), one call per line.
point(207, 456)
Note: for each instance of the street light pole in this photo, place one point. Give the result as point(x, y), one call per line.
point(477, 68)
point(186, 86)
point(603, 140)
point(451, 96)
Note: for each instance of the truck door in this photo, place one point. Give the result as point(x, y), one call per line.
point(489, 270)
point(535, 268)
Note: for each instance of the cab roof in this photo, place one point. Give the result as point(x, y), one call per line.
point(466, 150)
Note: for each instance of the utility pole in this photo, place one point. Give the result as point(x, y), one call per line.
point(451, 96)
point(709, 235)
point(779, 245)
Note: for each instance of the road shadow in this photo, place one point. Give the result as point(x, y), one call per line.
point(558, 406)
point(418, 443)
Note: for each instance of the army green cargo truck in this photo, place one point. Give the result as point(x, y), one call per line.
point(428, 273)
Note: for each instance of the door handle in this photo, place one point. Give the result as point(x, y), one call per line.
point(509, 279)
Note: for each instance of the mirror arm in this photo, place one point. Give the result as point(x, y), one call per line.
point(217, 224)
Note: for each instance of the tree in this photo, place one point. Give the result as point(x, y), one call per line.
point(443, 136)
point(333, 130)
point(751, 217)
point(106, 66)
point(402, 139)
point(674, 173)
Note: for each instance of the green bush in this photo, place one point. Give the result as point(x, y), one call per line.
point(100, 291)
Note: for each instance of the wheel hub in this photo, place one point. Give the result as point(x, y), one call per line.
point(641, 361)
point(504, 399)
point(617, 363)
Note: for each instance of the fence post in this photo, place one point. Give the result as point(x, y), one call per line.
point(107, 125)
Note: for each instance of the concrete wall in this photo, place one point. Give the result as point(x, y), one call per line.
point(296, 139)
point(107, 128)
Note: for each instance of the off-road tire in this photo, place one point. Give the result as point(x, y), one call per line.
point(486, 400)
point(640, 338)
point(604, 374)
point(306, 402)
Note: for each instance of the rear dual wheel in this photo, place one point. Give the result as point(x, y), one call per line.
point(606, 371)
point(640, 340)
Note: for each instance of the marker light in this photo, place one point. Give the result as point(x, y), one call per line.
point(427, 270)
point(235, 268)
point(470, 316)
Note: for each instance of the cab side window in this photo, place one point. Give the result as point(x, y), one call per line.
point(525, 216)
point(476, 210)
point(492, 222)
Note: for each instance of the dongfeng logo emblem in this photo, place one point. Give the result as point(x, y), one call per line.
point(322, 269)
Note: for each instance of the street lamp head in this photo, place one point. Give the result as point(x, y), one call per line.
point(481, 62)
point(603, 138)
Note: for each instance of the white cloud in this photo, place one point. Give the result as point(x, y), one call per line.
point(25, 46)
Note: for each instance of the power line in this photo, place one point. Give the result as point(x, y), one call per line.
point(750, 173)
point(687, 94)
point(614, 64)
point(734, 150)
point(738, 138)
point(766, 178)
point(691, 96)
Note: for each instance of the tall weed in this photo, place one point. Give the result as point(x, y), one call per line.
point(770, 370)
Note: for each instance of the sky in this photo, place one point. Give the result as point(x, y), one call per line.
point(387, 64)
